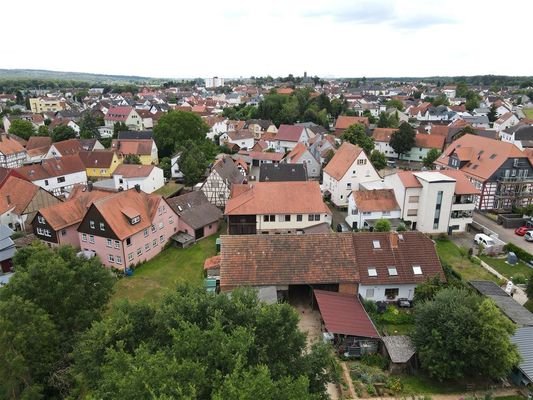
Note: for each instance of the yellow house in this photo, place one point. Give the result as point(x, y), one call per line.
point(100, 164)
point(145, 149)
point(45, 104)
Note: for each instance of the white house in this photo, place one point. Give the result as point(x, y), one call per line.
point(126, 115)
point(348, 168)
point(506, 121)
point(288, 136)
point(520, 135)
point(242, 138)
point(302, 155)
point(148, 177)
point(175, 171)
point(12, 154)
point(366, 207)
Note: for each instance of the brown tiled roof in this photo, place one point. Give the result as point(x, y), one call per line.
point(296, 197)
point(408, 179)
point(195, 209)
point(262, 155)
point(342, 160)
point(97, 158)
point(240, 135)
point(287, 259)
point(375, 200)
point(297, 152)
point(72, 211)
point(484, 155)
point(141, 147)
point(284, 91)
point(289, 133)
point(462, 184)
point(68, 147)
point(18, 193)
point(9, 145)
point(426, 141)
point(414, 249)
point(344, 121)
point(134, 170)
point(118, 113)
point(52, 167)
point(35, 142)
point(383, 134)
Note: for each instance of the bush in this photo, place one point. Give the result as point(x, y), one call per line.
point(394, 384)
point(371, 390)
point(520, 253)
point(375, 360)
point(370, 306)
point(519, 279)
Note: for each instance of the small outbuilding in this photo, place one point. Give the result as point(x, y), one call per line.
point(401, 353)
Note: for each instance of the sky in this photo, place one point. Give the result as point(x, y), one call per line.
point(242, 38)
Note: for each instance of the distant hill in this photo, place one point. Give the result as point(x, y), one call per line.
point(21, 74)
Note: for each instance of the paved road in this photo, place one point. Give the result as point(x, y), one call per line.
point(507, 235)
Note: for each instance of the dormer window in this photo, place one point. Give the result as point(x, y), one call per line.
point(417, 270)
point(135, 220)
point(372, 272)
point(393, 271)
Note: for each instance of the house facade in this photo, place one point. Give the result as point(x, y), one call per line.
point(217, 187)
point(148, 177)
point(145, 149)
point(175, 171)
point(348, 168)
point(40, 105)
point(12, 154)
point(301, 155)
point(366, 207)
point(100, 164)
point(124, 114)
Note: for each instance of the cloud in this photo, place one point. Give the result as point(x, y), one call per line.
point(362, 12)
point(422, 21)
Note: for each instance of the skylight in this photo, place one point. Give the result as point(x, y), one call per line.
point(417, 270)
point(492, 156)
point(372, 272)
point(376, 244)
point(475, 166)
point(393, 271)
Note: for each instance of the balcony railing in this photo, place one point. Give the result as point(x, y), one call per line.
point(515, 179)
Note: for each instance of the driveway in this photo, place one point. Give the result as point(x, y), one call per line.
point(338, 216)
point(507, 235)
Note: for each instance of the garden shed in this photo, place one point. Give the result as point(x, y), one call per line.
point(346, 321)
point(401, 352)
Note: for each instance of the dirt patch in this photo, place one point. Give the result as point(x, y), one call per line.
point(309, 323)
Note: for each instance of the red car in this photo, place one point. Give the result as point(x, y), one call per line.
point(522, 230)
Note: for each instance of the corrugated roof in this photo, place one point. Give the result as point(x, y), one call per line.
point(344, 314)
point(523, 338)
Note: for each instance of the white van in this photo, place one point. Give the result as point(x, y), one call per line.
point(529, 236)
point(483, 239)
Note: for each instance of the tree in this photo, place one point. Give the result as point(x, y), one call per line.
point(89, 126)
point(196, 345)
point(132, 159)
point(378, 159)
point(440, 100)
point(395, 103)
point(403, 139)
point(382, 225)
point(193, 163)
point(175, 128)
point(431, 157)
point(22, 128)
point(356, 134)
point(119, 127)
point(459, 334)
point(165, 165)
point(43, 131)
point(492, 114)
point(63, 132)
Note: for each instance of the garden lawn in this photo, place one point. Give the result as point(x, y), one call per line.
point(169, 189)
point(507, 270)
point(422, 384)
point(458, 259)
point(154, 278)
point(528, 112)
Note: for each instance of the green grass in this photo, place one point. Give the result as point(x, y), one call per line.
point(516, 397)
point(529, 305)
point(457, 258)
point(169, 189)
point(154, 278)
point(507, 270)
point(422, 384)
point(528, 112)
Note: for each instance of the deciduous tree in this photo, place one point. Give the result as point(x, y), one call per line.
point(356, 134)
point(403, 139)
point(63, 132)
point(22, 128)
point(382, 225)
point(378, 159)
point(431, 157)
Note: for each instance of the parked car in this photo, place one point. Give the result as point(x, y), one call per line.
point(403, 302)
point(521, 231)
point(483, 239)
point(529, 236)
point(343, 227)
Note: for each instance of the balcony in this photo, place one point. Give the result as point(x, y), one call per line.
point(515, 179)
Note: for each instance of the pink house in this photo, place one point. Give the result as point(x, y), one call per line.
point(58, 224)
point(127, 228)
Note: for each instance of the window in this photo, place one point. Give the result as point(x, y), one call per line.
point(44, 232)
point(139, 251)
point(118, 259)
point(61, 179)
point(135, 220)
point(269, 218)
point(128, 242)
point(154, 243)
point(109, 243)
point(146, 232)
point(414, 199)
point(102, 226)
point(147, 247)
point(349, 185)
point(376, 244)
point(392, 293)
point(369, 293)
point(299, 218)
point(111, 258)
point(385, 213)
point(130, 257)
point(161, 238)
point(154, 228)
point(46, 182)
point(354, 211)
point(412, 212)
point(287, 218)
point(361, 162)
point(160, 211)
point(161, 225)
point(83, 237)
point(91, 238)
point(372, 272)
point(436, 218)
point(91, 224)
point(417, 270)
point(393, 271)
point(40, 220)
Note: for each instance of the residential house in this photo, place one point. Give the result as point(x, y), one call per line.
point(197, 216)
point(12, 153)
point(175, 171)
point(127, 228)
point(301, 154)
point(506, 121)
point(500, 170)
point(366, 207)
point(260, 126)
point(125, 114)
point(379, 266)
point(434, 201)
point(381, 138)
point(424, 143)
point(439, 113)
point(348, 168)
point(148, 177)
point(477, 121)
point(223, 175)
point(277, 207)
point(57, 224)
point(288, 136)
point(145, 149)
point(40, 105)
point(281, 172)
point(64, 148)
point(100, 164)
point(7, 251)
point(57, 175)
point(344, 122)
point(244, 139)
point(322, 146)
point(519, 135)
point(6, 173)
point(20, 200)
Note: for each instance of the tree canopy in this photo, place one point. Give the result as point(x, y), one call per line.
point(403, 139)
point(460, 334)
point(22, 128)
point(378, 159)
point(431, 157)
point(356, 134)
point(382, 225)
point(199, 345)
point(63, 132)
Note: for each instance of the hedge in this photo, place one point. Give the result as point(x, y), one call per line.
point(520, 253)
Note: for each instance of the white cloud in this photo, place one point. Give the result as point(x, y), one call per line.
point(235, 38)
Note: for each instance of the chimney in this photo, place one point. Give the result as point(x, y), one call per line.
point(89, 186)
point(394, 240)
point(8, 198)
point(138, 188)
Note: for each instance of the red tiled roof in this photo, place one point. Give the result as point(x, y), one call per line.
point(426, 141)
point(342, 160)
point(344, 121)
point(68, 147)
point(344, 314)
point(17, 193)
point(97, 158)
point(462, 184)
point(297, 152)
point(262, 155)
point(408, 179)
point(383, 134)
point(141, 147)
point(9, 145)
point(118, 114)
point(133, 170)
point(289, 133)
point(52, 167)
point(375, 200)
point(35, 142)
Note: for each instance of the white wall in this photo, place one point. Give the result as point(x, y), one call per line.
point(60, 188)
point(427, 206)
point(405, 291)
point(148, 184)
point(280, 224)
